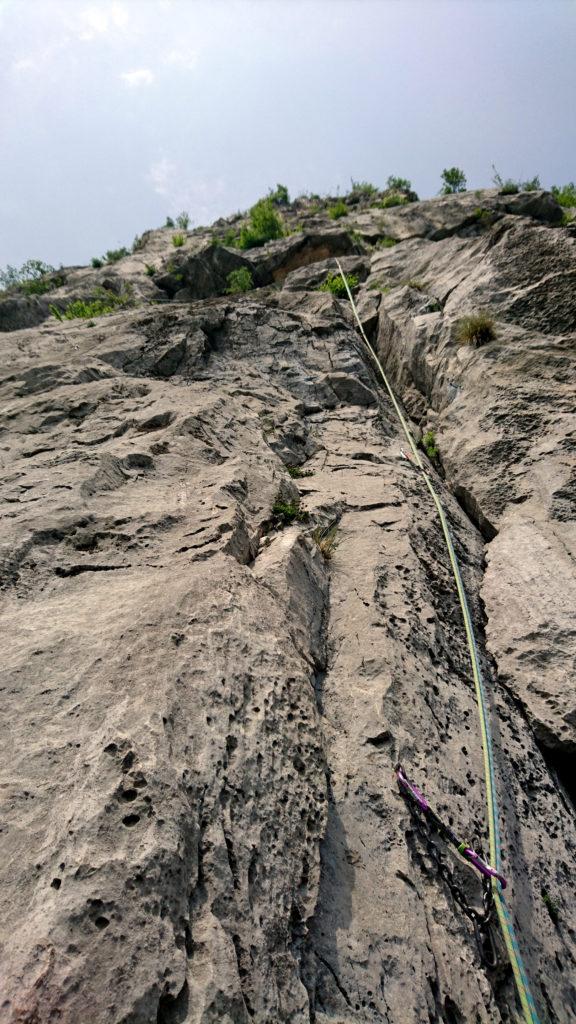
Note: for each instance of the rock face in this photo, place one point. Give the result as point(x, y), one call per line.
point(212, 665)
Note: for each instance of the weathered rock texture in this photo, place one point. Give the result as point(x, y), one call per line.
point(202, 713)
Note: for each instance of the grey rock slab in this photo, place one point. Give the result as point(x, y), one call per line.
point(203, 712)
point(444, 216)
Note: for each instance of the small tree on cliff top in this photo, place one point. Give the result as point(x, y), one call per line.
point(454, 180)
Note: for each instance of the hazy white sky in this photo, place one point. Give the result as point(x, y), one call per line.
point(115, 113)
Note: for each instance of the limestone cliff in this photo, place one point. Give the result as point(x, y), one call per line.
point(202, 711)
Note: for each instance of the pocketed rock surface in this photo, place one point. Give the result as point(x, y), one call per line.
point(202, 712)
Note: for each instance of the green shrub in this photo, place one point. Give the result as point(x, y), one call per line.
point(362, 189)
point(567, 218)
point(30, 271)
point(339, 209)
point(169, 223)
point(509, 187)
point(334, 284)
point(286, 512)
point(230, 239)
point(240, 280)
point(150, 269)
point(477, 329)
point(104, 301)
point(386, 243)
point(183, 220)
point(394, 199)
point(454, 180)
point(113, 255)
point(483, 216)
point(505, 188)
point(356, 237)
point(97, 262)
point(280, 197)
point(399, 184)
point(565, 194)
point(296, 472)
point(265, 225)
point(178, 240)
point(42, 284)
point(137, 243)
point(429, 445)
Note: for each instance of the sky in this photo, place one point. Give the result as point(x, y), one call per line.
point(115, 114)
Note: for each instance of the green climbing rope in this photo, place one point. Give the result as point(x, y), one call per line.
point(506, 924)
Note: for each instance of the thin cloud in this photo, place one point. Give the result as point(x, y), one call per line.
point(24, 64)
point(98, 21)
point(162, 175)
point(202, 197)
point(185, 59)
point(140, 76)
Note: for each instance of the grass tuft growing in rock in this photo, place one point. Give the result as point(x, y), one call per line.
point(326, 538)
point(296, 472)
point(509, 187)
point(394, 199)
point(113, 255)
point(338, 210)
point(240, 280)
point(178, 240)
point(483, 216)
point(477, 329)
point(335, 284)
point(386, 243)
point(565, 194)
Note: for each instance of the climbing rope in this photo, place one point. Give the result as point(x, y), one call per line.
point(506, 924)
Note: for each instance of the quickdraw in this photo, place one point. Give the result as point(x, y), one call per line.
point(426, 822)
point(463, 849)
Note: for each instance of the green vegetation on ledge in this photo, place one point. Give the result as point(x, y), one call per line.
point(477, 329)
point(339, 209)
point(240, 280)
point(105, 301)
point(34, 277)
point(335, 284)
point(284, 513)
